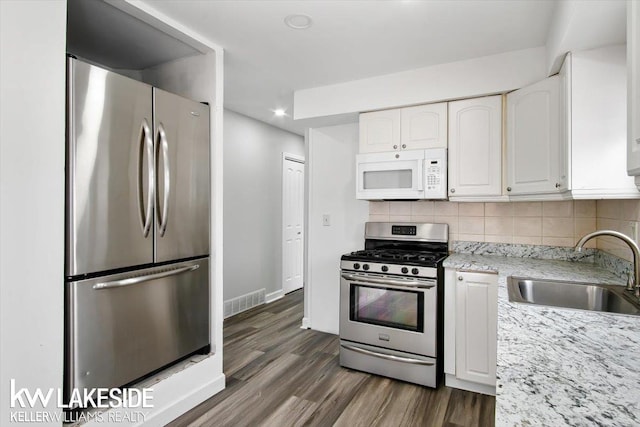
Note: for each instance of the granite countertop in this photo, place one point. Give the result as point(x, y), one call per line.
point(560, 366)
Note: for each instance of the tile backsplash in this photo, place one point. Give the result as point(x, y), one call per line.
point(559, 223)
point(618, 215)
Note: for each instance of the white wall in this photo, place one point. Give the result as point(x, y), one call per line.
point(580, 25)
point(462, 79)
point(331, 176)
point(32, 141)
point(253, 203)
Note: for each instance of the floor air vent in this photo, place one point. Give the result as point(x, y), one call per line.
point(244, 302)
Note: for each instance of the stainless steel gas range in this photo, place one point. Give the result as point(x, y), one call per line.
point(391, 299)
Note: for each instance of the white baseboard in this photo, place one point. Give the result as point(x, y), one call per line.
point(452, 381)
point(172, 397)
point(306, 323)
point(271, 297)
point(189, 401)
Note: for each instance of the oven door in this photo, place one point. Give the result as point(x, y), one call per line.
point(393, 175)
point(391, 312)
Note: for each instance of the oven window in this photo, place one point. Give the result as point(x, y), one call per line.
point(387, 307)
point(382, 180)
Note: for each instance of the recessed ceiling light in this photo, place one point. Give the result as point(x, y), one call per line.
point(298, 22)
point(279, 112)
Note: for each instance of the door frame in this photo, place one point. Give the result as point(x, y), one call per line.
point(298, 159)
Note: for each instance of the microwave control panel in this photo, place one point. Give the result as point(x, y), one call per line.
point(435, 173)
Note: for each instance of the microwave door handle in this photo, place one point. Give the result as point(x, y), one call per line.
point(421, 175)
point(425, 284)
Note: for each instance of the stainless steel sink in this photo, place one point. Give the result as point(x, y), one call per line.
point(583, 296)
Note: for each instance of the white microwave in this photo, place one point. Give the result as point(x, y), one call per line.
point(402, 175)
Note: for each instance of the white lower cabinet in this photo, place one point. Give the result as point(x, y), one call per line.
point(471, 324)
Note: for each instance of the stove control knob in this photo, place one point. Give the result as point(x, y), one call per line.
point(356, 266)
point(385, 268)
point(415, 271)
point(405, 270)
point(365, 267)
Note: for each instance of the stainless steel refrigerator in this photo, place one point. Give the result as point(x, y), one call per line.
point(137, 228)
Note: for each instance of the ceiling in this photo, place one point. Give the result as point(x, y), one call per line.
point(266, 61)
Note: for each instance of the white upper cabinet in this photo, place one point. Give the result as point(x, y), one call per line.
point(597, 123)
point(424, 126)
point(380, 131)
point(410, 128)
point(535, 144)
point(633, 89)
point(475, 148)
point(567, 135)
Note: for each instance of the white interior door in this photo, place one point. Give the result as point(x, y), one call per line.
point(292, 222)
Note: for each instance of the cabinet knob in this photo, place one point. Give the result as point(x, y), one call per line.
point(508, 188)
point(397, 156)
point(404, 145)
point(460, 278)
point(395, 147)
point(453, 190)
point(557, 185)
point(638, 140)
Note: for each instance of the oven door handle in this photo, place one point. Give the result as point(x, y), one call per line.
point(390, 282)
point(388, 356)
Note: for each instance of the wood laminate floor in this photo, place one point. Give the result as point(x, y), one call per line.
point(281, 375)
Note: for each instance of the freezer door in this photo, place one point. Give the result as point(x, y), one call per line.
point(122, 327)
point(182, 177)
point(109, 211)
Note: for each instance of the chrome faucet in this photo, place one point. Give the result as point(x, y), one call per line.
point(631, 284)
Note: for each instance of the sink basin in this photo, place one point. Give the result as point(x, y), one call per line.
point(582, 296)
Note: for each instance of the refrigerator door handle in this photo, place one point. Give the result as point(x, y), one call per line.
point(135, 280)
point(163, 147)
point(146, 211)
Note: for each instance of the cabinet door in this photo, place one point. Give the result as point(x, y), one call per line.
point(633, 88)
point(424, 126)
point(380, 131)
point(476, 327)
point(475, 147)
point(536, 149)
